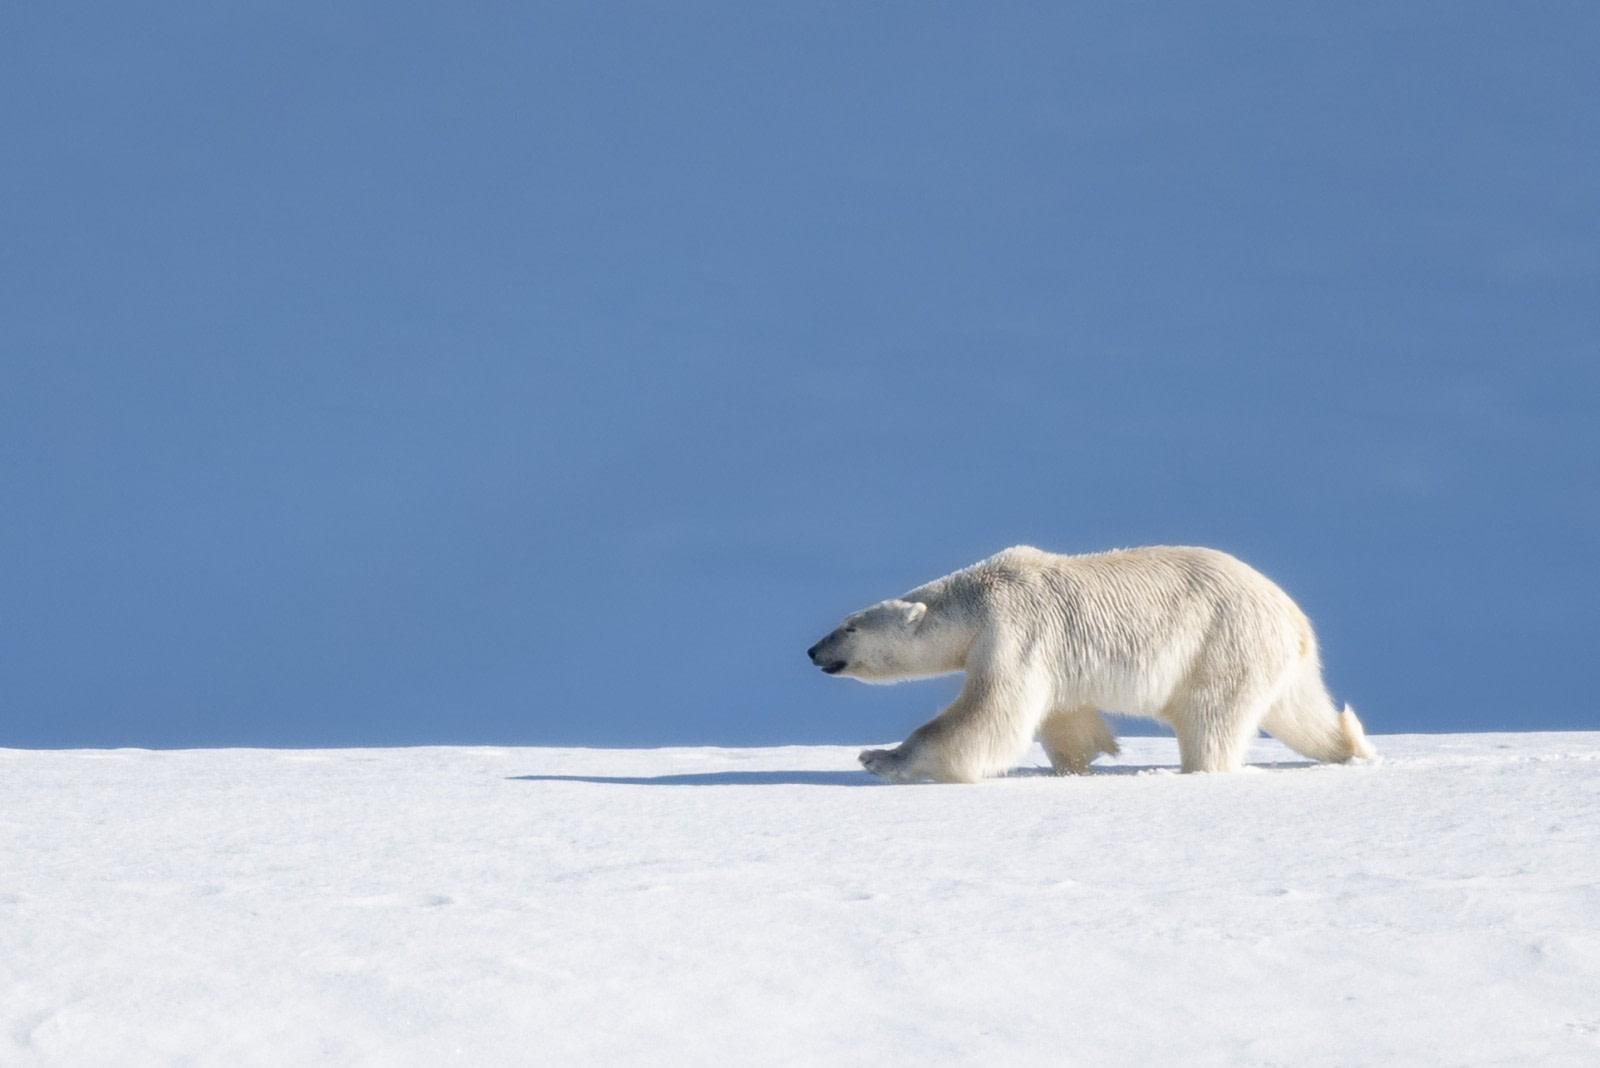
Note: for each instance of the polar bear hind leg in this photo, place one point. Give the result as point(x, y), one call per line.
point(1073, 737)
point(1215, 726)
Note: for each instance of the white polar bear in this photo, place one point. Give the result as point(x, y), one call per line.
point(1192, 637)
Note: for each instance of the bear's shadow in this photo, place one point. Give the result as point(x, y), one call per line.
point(847, 778)
point(720, 778)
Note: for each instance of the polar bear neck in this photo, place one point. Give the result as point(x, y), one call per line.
point(954, 617)
point(962, 604)
point(961, 595)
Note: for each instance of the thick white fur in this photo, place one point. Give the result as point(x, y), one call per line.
point(1192, 637)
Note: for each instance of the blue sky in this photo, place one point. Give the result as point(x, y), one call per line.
point(557, 373)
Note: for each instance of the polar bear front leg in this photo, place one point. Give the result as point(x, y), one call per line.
point(982, 733)
point(886, 764)
point(920, 758)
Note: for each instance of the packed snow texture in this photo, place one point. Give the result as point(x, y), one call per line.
point(777, 906)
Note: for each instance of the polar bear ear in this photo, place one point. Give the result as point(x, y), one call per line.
point(914, 612)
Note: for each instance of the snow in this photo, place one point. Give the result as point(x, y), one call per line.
point(504, 905)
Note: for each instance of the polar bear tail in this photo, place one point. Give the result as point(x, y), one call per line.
point(1307, 721)
point(1355, 739)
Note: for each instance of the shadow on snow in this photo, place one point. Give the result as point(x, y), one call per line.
point(846, 778)
point(720, 778)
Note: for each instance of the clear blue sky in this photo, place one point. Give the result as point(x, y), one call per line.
point(542, 373)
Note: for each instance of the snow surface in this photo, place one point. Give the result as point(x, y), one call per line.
point(776, 906)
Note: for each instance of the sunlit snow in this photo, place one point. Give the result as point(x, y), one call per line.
point(777, 906)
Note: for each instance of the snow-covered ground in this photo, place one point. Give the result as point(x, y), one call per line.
point(775, 906)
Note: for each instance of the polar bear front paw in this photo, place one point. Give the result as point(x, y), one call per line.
point(884, 763)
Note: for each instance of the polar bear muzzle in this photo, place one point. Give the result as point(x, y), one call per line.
point(820, 655)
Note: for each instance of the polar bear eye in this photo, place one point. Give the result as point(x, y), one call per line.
point(849, 630)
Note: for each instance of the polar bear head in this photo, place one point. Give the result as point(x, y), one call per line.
point(890, 641)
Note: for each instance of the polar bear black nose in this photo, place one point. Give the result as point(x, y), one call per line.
point(812, 652)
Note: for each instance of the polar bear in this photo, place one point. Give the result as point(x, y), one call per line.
point(1192, 637)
